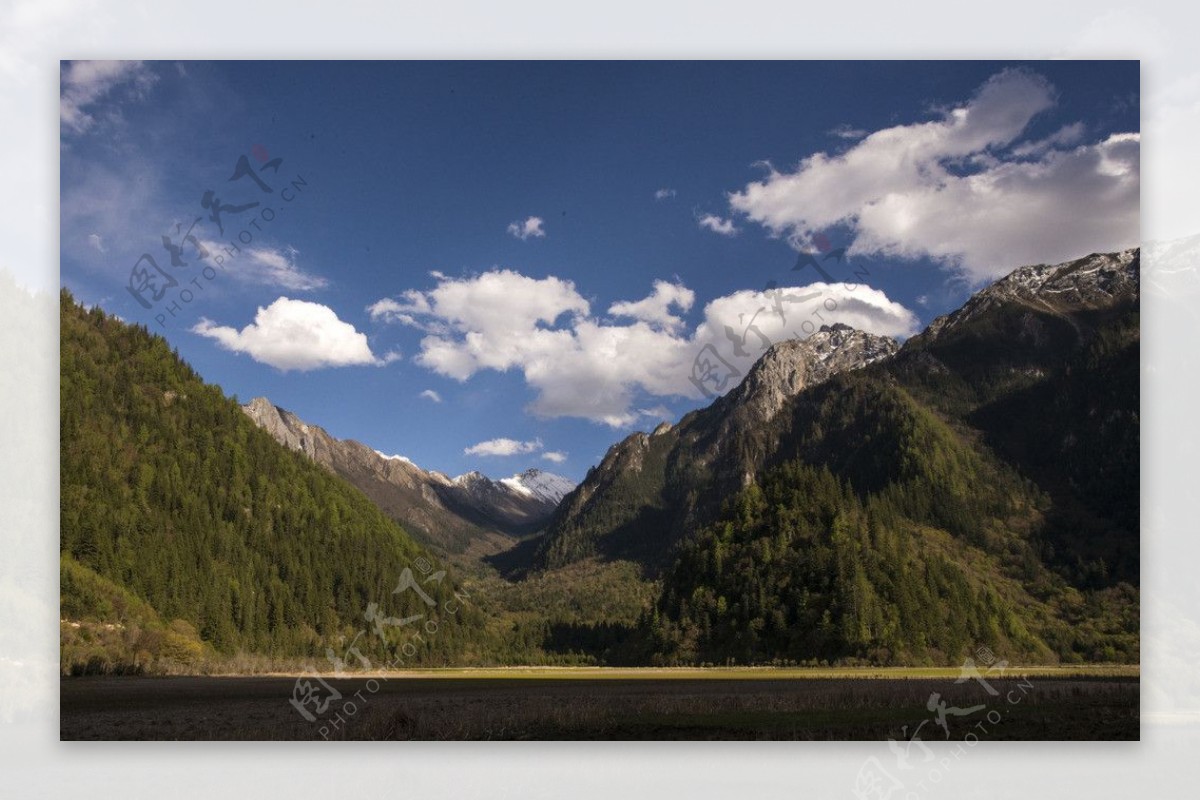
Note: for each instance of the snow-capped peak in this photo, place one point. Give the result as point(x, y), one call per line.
point(540, 484)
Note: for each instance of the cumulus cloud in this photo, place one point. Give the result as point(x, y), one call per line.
point(963, 188)
point(558, 457)
point(497, 320)
point(85, 83)
point(431, 395)
point(530, 227)
point(503, 446)
point(718, 225)
point(295, 335)
point(583, 366)
point(656, 309)
point(664, 194)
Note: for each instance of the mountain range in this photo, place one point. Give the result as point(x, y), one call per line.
point(853, 499)
point(470, 512)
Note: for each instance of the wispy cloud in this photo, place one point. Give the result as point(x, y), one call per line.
point(845, 131)
point(661, 413)
point(271, 266)
point(432, 395)
point(529, 227)
point(277, 267)
point(503, 446)
point(718, 225)
point(85, 83)
point(558, 457)
point(664, 194)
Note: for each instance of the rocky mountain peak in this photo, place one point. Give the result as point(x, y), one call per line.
point(795, 364)
point(287, 428)
point(1090, 282)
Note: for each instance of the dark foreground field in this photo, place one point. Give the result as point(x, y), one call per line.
point(675, 708)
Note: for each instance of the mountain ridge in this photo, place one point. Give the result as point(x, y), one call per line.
point(716, 447)
point(459, 514)
point(664, 481)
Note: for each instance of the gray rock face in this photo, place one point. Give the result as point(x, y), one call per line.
point(453, 514)
point(795, 364)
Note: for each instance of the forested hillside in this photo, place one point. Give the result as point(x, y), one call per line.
point(977, 486)
point(189, 533)
point(851, 501)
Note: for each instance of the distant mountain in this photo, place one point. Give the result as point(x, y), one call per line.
point(467, 514)
point(520, 503)
point(546, 487)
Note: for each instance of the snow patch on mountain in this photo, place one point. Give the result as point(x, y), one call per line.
point(539, 484)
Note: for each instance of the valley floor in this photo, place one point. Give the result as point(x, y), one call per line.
point(1069, 703)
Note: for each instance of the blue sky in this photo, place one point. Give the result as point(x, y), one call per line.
point(500, 265)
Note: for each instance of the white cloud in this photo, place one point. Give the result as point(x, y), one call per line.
point(501, 316)
point(431, 395)
point(664, 194)
point(530, 227)
point(96, 242)
point(84, 83)
point(405, 310)
point(718, 225)
point(946, 190)
point(661, 413)
point(580, 366)
point(295, 335)
point(656, 309)
point(266, 266)
point(558, 457)
point(503, 446)
point(847, 132)
point(278, 268)
point(858, 306)
point(1066, 135)
point(394, 457)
